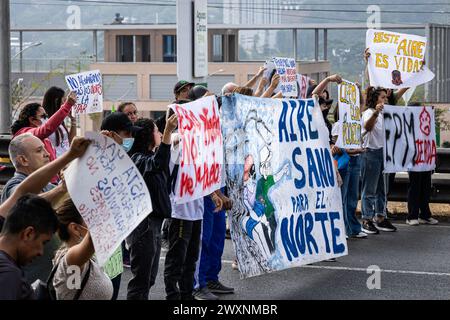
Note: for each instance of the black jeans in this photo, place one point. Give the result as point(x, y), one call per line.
point(144, 258)
point(184, 247)
point(419, 192)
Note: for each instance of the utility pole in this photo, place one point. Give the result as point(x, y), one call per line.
point(5, 68)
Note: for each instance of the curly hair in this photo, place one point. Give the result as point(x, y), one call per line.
point(30, 110)
point(372, 95)
point(143, 139)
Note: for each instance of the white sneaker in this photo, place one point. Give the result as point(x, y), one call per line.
point(360, 235)
point(412, 222)
point(428, 221)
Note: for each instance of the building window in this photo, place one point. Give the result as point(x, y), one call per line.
point(145, 48)
point(169, 48)
point(125, 49)
point(217, 48)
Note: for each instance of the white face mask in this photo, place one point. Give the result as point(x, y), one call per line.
point(43, 121)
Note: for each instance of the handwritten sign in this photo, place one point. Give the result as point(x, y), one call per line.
point(287, 69)
point(287, 206)
point(109, 192)
point(396, 59)
point(89, 88)
point(410, 139)
point(200, 171)
point(302, 85)
point(349, 115)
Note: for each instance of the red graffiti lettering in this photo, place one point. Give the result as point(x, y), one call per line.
point(190, 151)
point(186, 185)
point(426, 152)
point(186, 120)
point(96, 88)
point(207, 176)
point(211, 126)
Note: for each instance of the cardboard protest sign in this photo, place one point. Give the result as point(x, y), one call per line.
point(200, 167)
point(287, 69)
point(109, 192)
point(89, 88)
point(396, 59)
point(410, 139)
point(287, 206)
point(302, 85)
point(349, 116)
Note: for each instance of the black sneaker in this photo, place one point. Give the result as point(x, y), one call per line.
point(385, 225)
point(217, 287)
point(369, 228)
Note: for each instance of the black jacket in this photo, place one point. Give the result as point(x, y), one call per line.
point(154, 168)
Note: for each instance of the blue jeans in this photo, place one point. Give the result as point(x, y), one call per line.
point(373, 198)
point(350, 193)
point(213, 241)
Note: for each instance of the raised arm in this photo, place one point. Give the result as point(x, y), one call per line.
point(35, 182)
point(251, 83)
point(79, 254)
point(324, 83)
point(55, 121)
point(373, 118)
point(272, 87)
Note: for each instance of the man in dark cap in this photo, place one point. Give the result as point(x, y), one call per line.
point(181, 90)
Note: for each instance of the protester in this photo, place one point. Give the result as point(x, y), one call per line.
point(197, 92)
point(76, 255)
point(62, 137)
point(129, 108)
point(151, 154)
point(373, 198)
point(28, 227)
point(24, 242)
point(181, 90)
point(419, 191)
point(28, 154)
point(34, 119)
point(120, 128)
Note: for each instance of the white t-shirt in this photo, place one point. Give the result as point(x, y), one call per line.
point(64, 143)
point(191, 211)
point(373, 139)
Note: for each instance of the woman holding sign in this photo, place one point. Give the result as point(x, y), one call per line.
point(34, 119)
point(373, 196)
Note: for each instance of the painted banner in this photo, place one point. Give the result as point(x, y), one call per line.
point(287, 69)
point(396, 59)
point(410, 139)
point(89, 88)
point(349, 116)
point(109, 192)
point(287, 206)
point(200, 167)
point(302, 85)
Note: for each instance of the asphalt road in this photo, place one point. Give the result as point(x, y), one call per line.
point(414, 263)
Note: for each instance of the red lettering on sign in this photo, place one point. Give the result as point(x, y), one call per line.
point(96, 88)
point(186, 119)
point(207, 176)
point(190, 151)
point(426, 152)
point(186, 185)
point(211, 126)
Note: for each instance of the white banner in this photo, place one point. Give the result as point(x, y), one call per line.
point(89, 88)
point(410, 139)
point(287, 206)
point(109, 192)
point(349, 116)
point(200, 171)
point(396, 59)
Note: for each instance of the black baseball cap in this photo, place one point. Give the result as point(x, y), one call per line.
point(181, 84)
point(118, 121)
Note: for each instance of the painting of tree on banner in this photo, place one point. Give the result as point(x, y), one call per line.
point(287, 208)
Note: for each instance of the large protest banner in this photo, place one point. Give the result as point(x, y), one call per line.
point(89, 88)
point(287, 206)
point(302, 85)
point(109, 192)
point(349, 115)
point(287, 69)
point(201, 163)
point(410, 139)
point(396, 59)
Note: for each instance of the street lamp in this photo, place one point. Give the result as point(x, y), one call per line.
point(36, 44)
point(214, 73)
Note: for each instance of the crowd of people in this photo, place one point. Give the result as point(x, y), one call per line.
point(44, 238)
